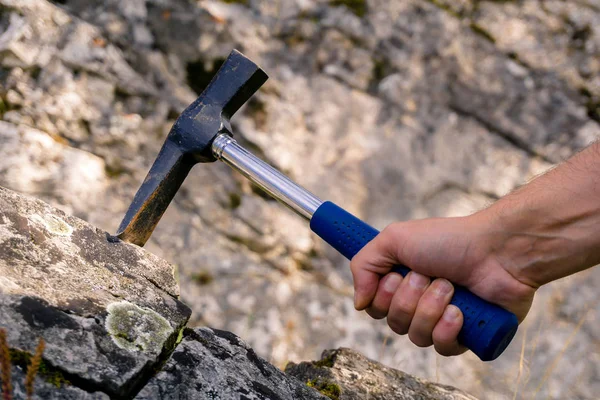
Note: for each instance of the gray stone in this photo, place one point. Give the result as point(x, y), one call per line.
point(213, 364)
point(44, 388)
point(107, 310)
point(353, 376)
point(415, 109)
point(112, 325)
point(76, 178)
point(558, 34)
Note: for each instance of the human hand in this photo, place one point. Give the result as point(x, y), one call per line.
point(459, 250)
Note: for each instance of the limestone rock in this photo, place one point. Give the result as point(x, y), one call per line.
point(112, 323)
point(50, 387)
point(76, 178)
point(107, 310)
point(217, 364)
point(348, 375)
point(392, 109)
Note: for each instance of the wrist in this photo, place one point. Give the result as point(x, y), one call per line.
point(537, 242)
point(512, 241)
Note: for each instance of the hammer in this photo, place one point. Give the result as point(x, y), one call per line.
point(203, 133)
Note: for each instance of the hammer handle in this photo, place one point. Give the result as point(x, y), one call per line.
point(487, 328)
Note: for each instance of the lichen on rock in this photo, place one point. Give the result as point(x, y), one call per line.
point(53, 224)
point(135, 328)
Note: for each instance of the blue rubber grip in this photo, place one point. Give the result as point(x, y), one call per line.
point(487, 328)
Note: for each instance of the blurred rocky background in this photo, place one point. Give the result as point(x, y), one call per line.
point(393, 109)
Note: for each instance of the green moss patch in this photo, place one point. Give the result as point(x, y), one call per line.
point(243, 2)
point(358, 7)
point(325, 387)
point(45, 371)
point(202, 277)
point(326, 362)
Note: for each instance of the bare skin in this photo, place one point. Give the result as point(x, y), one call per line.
point(545, 230)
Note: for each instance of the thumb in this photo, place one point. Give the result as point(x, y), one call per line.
point(371, 263)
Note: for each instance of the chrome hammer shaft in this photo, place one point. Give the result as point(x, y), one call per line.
point(279, 186)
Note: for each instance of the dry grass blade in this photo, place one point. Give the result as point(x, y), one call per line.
point(5, 366)
point(521, 362)
point(562, 352)
point(33, 368)
point(383, 347)
point(536, 339)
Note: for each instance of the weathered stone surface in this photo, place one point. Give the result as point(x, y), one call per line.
point(558, 36)
point(76, 178)
point(106, 309)
point(112, 325)
point(405, 110)
point(354, 377)
point(213, 364)
point(42, 389)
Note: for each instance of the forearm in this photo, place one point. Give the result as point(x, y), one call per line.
point(550, 228)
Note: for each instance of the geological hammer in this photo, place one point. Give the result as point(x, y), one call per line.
point(203, 133)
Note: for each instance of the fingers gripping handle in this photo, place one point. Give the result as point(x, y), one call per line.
point(487, 328)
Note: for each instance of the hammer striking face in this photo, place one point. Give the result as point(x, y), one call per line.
point(189, 142)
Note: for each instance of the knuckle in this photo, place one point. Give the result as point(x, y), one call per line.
point(420, 339)
point(375, 313)
point(353, 269)
point(417, 282)
point(430, 313)
point(445, 350)
point(397, 325)
point(393, 230)
point(355, 263)
point(445, 340)
point(404, 306)
point(441, 339)
point(436, 296)
point(389, 284)
point(442, 287)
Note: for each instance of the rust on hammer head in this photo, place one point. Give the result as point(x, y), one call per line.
point(189, 142)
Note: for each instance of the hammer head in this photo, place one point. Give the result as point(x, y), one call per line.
point(189, 142)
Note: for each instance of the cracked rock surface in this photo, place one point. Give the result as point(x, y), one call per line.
point(361, 378)
point(106, 309)
point(50, 390)
point(59, 279)
point(218, 364)
point(393, 110)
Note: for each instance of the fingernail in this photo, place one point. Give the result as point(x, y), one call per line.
point(418, 281)
point(391, 283)
point(443, 288)
point(451, 313)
